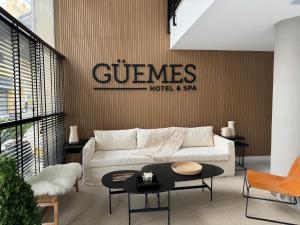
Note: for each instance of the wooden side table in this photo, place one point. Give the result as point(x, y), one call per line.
point(240, 149)
point(73, 152)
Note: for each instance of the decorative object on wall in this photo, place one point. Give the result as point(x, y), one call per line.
point(73, 139)
point(225, 131)
point(146, 74)
point(231, 127)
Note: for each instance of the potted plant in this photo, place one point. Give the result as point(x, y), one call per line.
point(17, 202)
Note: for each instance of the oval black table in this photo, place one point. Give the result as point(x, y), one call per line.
point(129, 186)
point(107, 181)
point(208, 171)
point(165, 185)
point(166, 178)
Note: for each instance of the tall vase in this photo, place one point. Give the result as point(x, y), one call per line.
point(73, 138)
point(231, 126)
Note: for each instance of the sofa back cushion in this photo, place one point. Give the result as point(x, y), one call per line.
point(142, 135)
point(115, 139)
point(198, 137)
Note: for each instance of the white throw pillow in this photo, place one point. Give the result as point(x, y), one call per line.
point(198, 137)
point(142, 135)
point(115, 139)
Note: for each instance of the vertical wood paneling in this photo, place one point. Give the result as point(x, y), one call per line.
point(231, 85)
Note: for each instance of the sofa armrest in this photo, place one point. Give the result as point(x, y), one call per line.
point(228, 146)
point(224, 143)
point(88, 152)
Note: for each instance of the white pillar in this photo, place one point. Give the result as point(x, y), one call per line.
point(286, 96)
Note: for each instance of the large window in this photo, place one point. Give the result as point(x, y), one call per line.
point(31, 98)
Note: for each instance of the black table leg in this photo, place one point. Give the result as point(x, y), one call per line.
point(168, 207)
point(109, 200)
point(158, 200)
point(211, 188)
point(243, 157)
point(147, 205)
point(129, 219)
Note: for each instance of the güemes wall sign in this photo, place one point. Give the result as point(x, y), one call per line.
point(167, 77)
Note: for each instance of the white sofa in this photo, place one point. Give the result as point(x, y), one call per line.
point(115, 150)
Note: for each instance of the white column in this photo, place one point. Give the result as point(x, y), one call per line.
point(43, 20)
point(286, 96)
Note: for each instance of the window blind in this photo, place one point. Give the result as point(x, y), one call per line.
point(31, 98)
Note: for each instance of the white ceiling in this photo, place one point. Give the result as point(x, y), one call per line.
point(229, 24)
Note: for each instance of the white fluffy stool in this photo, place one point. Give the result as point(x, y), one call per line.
point(53, 181)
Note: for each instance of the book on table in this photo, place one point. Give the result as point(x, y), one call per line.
point(117, 177)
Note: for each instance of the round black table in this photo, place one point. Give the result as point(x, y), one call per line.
point(107, 181)
point(166, 178)
point(208, 171)
point(165, 185)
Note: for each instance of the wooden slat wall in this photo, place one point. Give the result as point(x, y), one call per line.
point(231, 85)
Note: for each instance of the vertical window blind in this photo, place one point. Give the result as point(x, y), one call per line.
point(31, 98)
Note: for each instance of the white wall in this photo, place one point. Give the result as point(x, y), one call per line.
point(187, 13)
point(43, 24)
point(286, 96)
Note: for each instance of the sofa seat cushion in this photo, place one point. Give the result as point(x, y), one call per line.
point(200, 154)
point(118, 157)
point(127, 157)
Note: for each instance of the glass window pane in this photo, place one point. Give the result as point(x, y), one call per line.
point(37, 15)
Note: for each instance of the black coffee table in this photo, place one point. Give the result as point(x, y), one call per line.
point(129, 186)
point(166, 177)
point(208, 171)
point(166, 185)
point(110, 184)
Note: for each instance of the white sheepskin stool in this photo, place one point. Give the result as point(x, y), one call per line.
point(53, 181)
point(56, 180)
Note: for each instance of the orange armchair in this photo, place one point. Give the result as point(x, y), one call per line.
point(289, 185)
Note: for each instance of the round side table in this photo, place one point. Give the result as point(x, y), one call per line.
point(107, 181)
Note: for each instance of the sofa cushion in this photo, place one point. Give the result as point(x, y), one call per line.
point(127, 157)
point(118, 157)
point(200, 154)
point(198, 137)
point(142, 135)
point(115, 139)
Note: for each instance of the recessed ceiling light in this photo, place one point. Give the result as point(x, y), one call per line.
point(295, 2)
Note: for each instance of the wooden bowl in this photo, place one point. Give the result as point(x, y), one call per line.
point(186, 168)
